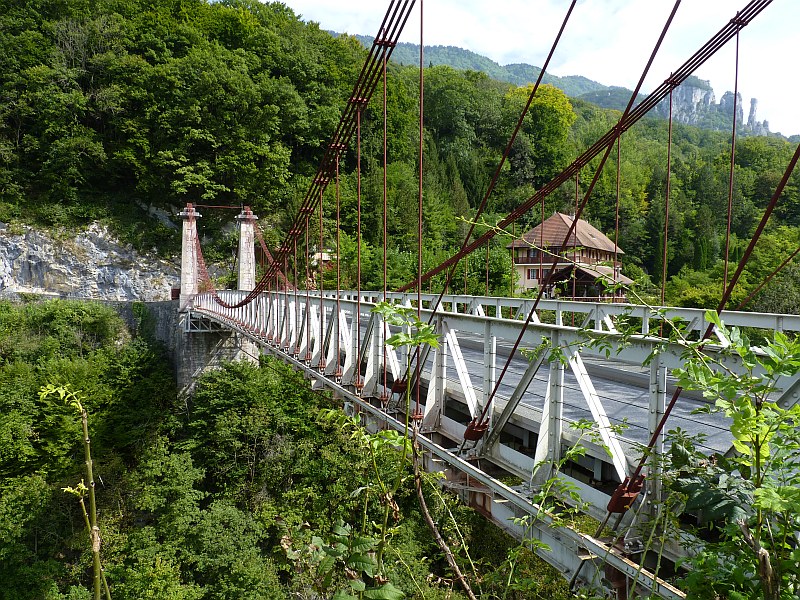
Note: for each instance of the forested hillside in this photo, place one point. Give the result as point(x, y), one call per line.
point(110, 107)
point(214, 497)
point(465, 60)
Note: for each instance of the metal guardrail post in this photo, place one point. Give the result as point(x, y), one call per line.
point(489, 366)
point(548, 446)
point(437, 384)
point(658, 402)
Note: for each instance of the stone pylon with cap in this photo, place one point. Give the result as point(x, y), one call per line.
point(247, 252)
point(190, 275)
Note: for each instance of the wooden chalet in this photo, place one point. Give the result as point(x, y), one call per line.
point(587, 257)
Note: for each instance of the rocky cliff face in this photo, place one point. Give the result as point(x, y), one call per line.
point(755, 126)
point(694, 103)
point(689, 102)
point(91, 264)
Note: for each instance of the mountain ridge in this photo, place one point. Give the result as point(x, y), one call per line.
point(694, 102)
point(519, 74)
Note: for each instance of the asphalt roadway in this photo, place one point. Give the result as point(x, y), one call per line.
point(622, 388)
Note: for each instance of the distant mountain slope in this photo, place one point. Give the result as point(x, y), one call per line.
point(694, 101)
point(610, 97)
point(571, 85)
point(459, 58)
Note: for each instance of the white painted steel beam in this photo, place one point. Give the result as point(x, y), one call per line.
point(598, 412)
point(451, 341)
point(511, 406)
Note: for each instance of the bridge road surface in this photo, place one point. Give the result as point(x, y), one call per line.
point(622, 387)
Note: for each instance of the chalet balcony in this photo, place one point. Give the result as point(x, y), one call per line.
point(545, 260)
point(568, 259)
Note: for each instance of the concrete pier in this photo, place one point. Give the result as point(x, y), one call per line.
point(247, 256)
point(189, 262)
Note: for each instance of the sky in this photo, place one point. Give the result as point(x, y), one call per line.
point(608, 41)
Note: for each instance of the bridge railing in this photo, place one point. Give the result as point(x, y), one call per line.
point(623, 393)
point(693, 318)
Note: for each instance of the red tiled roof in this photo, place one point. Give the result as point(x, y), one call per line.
point(555, 230)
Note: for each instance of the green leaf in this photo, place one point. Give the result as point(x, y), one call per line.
point(362, 563)
point(357, 492)
point(713, 317)
point(714, 503)
point(385, 592)
point(326, 564)
point(362, 543)
point(341, 529)
point(680, 456)
point(778, 500)
point(317, 542)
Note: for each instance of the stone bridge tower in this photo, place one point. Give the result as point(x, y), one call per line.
point(200, 346)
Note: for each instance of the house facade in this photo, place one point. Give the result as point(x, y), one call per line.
point(585, 258)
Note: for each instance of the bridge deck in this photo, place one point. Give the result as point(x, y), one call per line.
point(345, 353)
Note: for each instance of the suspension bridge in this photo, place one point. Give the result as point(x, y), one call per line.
point(489, 407)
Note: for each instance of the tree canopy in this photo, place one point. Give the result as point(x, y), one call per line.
point(108, 108)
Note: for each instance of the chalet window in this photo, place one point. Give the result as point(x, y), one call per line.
point(533, 274)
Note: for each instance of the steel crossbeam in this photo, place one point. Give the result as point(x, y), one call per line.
point(693, 318)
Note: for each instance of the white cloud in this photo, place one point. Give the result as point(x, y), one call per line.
point(606, 40)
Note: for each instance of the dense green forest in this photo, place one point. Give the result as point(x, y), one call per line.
point(217, 496)
point(111, 107)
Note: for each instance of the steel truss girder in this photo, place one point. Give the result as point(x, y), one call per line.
point(279, 321)
point(632, 349)
point(565, 544)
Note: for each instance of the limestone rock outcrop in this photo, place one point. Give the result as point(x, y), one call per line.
point(690, 102)
point(694, 103)
point(91, 264)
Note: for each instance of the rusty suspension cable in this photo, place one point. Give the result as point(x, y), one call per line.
point(724, 300)
point(733, 164)
point(385, 42)
point(664, 255)
point(745, 16)
point(480, 423)
point(420, 278)
point(357, 315)
point(321, 289)
point(385, 327)
point(338, 372)
point(417, 349)
point(278, 272)
point(616, 212)
point(766, 281)
point(499, 168)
